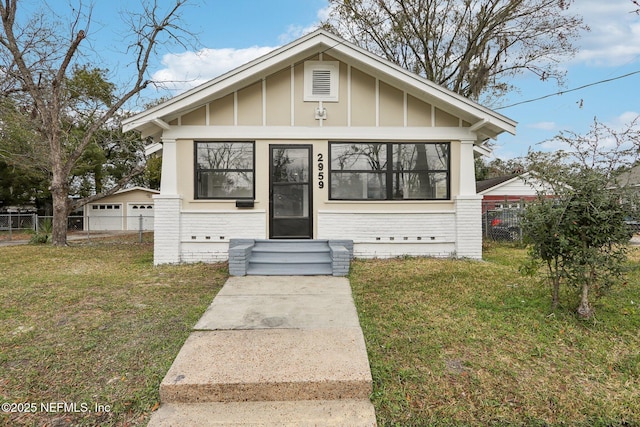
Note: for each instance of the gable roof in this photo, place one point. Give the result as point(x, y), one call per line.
point(491, 183)
point(484, 121)
point(137, 188)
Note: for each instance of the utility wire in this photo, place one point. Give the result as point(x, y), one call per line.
point(562, 92)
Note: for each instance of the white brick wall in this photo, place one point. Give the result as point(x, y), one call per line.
point(166, 247)
point(469, 227)
point(386, 235)
point(205, 235)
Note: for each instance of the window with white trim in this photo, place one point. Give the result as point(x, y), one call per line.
point(321, 81)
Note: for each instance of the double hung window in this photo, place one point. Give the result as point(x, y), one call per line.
point(224, 170)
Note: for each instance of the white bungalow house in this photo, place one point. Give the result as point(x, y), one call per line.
point(318, 140)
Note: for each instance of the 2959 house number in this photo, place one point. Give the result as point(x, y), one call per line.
point(320, 170)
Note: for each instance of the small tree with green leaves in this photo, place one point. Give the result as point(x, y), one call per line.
point(580, 234)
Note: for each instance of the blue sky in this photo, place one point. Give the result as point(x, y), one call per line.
point(232, 33)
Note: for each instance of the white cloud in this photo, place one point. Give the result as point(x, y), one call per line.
point(296, 31)
point(183, 71)
point(624, 120)
point(614, 38)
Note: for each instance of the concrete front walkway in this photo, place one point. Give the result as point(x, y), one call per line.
point(272, 350)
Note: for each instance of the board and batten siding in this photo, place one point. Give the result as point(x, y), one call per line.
point(277, 100)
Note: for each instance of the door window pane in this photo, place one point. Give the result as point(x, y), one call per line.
point(290, 165)
point(291, 200)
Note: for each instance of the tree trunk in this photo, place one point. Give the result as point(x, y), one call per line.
point(555, 298)
point(60, 196)
point(584, 310)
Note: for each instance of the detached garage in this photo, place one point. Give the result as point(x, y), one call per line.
point(124, 210)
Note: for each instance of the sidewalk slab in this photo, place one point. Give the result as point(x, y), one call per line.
point(333, 413)
point(285, 285)
point(278, 364)
point(285, 303)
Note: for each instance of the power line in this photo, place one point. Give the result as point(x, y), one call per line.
point(562, 92)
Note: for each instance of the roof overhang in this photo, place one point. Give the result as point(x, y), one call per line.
point(485, 122)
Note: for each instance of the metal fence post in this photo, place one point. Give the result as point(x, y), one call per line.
point(140, 229)
point(10, 226)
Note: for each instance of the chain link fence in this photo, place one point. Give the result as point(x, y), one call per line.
point(501, 220)
point(23, 226)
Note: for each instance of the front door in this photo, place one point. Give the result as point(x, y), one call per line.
point(290, 192)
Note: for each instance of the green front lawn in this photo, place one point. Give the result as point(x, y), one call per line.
point(474, 343)
point(94, 325)
point(450, 342)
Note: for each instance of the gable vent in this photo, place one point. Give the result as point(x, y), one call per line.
point(321, 80)
point(321, 85)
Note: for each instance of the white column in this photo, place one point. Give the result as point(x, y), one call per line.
point(467, 169)
point(468, 207)
point(169, 180)
point(166, 229)
point(469, 227)
point(167, 209)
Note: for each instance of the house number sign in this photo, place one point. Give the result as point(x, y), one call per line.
point(320, 170)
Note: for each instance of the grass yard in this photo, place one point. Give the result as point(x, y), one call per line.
point(93, 325)
point(474, 343)
point(450, 342)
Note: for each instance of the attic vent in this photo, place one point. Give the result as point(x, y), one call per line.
point(321, 83)
point(321, 80)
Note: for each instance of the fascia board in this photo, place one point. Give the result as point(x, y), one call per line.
point(152, 148)
point(482, 150)
point(353, 133)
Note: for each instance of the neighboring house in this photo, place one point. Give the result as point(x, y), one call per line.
point(509, 191)
point(630, 178)
point(127, 209)
point(318, 139)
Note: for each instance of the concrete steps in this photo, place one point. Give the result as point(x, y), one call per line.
point(272, 351)
point(329, 413)
point(275, 364)
point(290, 257)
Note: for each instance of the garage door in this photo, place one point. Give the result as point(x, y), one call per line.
point(105, 216)
point(137, 210)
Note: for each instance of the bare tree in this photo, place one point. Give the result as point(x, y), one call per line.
point(41, 60)
point(469, 46)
